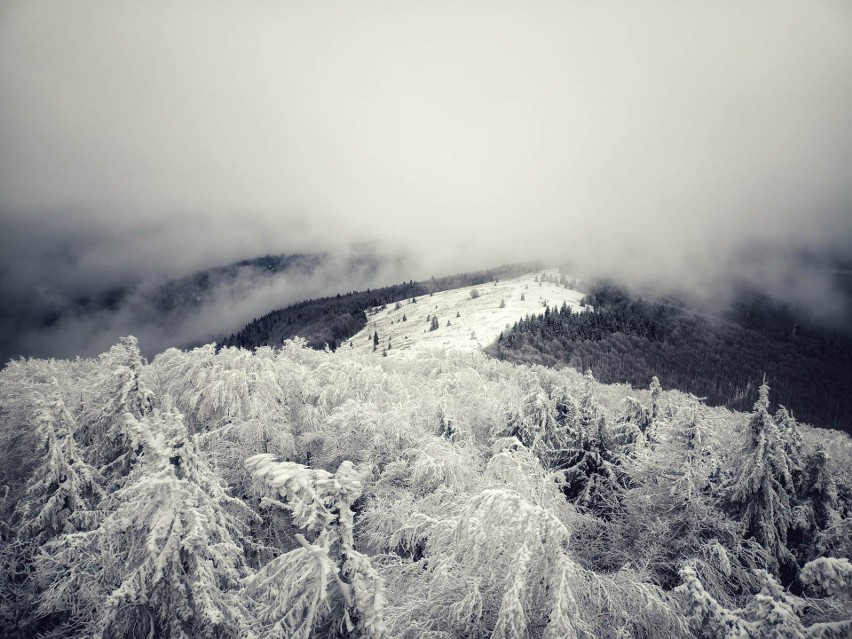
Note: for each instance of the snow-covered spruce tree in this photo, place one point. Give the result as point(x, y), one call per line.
point(592, 477)
point(656, 391)
point(791, 439)
point(759, 492)
point(629, 431)
point(773, 613)
point(325, 586)
point(816, 520)
point(64, 490)
point(166, 561)
point(119, 388)
point(45, 485)
point(534, 424)
point(670, 515)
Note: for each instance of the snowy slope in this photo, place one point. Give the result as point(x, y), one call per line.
point(480, 322)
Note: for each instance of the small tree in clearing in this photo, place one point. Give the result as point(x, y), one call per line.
point(325, 584)
point(404, 318)
point(434, 325)
point(502, 303)
point(474, 293)
point(523, 298)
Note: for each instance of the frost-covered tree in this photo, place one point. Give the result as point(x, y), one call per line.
point(759, 491)
point(501, 568)
point(670, 516)
point(816, 519)
point(434, 325)
point(773, 613)
point(64, 490)
point(656, 391)
point(833, 574)
point(166, 561)
point(236, 400)
point(592, 477)
point(120, 388)
point(325, 585)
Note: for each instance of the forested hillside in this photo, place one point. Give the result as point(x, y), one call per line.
point(723, 359)
point(298, 493)
point(330, 320)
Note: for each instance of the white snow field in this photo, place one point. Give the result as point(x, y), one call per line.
point(479, 323)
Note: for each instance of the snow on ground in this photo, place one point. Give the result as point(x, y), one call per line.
point(474, 322)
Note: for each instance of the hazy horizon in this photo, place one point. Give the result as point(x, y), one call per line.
point(665, 145)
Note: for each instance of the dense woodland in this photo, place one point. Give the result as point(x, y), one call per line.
point(298, 493)
point(723, 359)
point(331, 320)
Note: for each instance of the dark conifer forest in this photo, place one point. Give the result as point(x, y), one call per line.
point(719, 357)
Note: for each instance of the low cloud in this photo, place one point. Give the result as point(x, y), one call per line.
point(688, 149)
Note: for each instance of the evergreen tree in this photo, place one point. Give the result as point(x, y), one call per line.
point(772, 613)
point(592, 477)
point(816, 519)
point(434, 325)
point(120, 388)
point(168, 559)
point(759, 492)
point(64, 490)
point(656, 391)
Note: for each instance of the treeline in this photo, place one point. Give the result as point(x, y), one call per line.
point(331, 320)
point(625, 339)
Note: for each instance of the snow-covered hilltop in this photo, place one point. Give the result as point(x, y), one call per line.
point(468, 318)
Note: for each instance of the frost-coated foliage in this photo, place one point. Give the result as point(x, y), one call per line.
point(64, 489)
point(772, 612)
point(447, 496)
point(834, 575)
point(760, 490)
point(325, 583)
point(166, 561)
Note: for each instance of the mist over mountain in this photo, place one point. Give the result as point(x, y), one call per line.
point(667, 147)
point(52, 321)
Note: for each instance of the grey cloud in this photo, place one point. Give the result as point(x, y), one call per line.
point(655, 143)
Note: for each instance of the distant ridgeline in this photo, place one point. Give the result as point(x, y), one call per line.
point(331, 320)
point(191, 290)
point(724, 358)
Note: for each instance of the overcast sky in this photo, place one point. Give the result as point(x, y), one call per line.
point(652, 139)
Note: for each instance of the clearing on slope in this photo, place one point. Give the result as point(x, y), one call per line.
point(469, 318)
